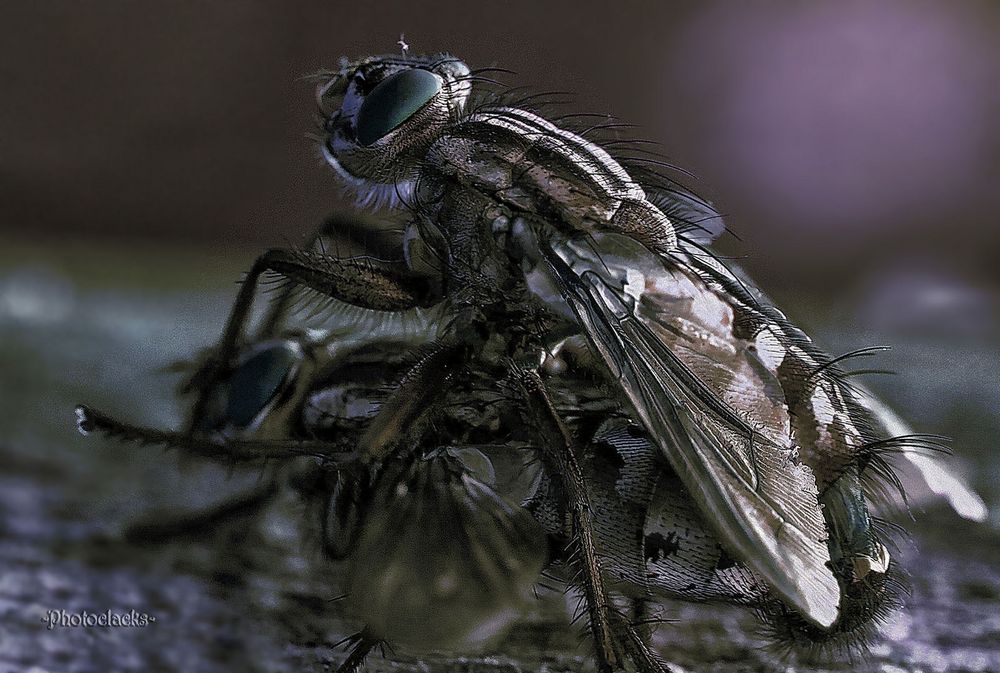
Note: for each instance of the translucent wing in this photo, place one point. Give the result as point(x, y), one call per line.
point(924, 476)
point(733, 452)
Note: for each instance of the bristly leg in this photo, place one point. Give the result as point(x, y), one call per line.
point(338, 231)
point(614, 636)
point(361, 645)
point(225, 450)
point(411, 406)
point(359, 281)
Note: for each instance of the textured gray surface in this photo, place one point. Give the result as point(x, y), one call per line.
point(254, 595)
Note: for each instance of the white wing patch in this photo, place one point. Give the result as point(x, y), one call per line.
point(727, 439)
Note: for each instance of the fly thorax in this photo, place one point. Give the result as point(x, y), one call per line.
point(476, 261)
point(515, 237)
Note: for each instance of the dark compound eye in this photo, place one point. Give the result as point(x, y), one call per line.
point(257, 381)
point(393, 101)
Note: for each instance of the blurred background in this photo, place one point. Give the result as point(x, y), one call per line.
point(840, 138)
point(151, 150)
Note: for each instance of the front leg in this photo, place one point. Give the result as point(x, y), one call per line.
point(359, 281)
point(342, 236)
point(227, 450)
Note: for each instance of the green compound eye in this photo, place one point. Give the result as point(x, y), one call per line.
point(393, 101)
point(255, 383)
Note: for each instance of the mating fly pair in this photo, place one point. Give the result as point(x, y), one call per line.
point(688, 440)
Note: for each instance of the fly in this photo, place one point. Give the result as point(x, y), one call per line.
point(552, 272)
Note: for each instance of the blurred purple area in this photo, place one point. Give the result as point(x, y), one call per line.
point(844, 141)
point(846, 118)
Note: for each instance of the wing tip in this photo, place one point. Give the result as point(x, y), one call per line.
point(815, 596)
point(823, 613)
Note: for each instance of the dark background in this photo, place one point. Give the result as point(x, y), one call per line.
point(150, 150)
point(841, 139)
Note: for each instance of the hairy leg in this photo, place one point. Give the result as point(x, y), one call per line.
point(340, 235)
point(614, 636)
point(407, 412)
point(225, 450)
point(360, 281)
point(361, 646)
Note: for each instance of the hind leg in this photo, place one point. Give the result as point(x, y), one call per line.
point(154, 529)
point(615, 638)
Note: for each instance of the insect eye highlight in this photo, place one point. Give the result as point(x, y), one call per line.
point(393, 101)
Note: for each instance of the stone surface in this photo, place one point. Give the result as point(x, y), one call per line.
point(253, 595)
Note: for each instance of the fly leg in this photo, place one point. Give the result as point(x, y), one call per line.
point(225, 450)
point(406, 413)
point(642, 622)
point(361, 646)
point(342, 235)
point(154, 529)
point(360, 281)
point(561, 463)
point(614, 636)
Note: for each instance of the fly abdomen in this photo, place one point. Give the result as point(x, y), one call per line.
point(652, 537)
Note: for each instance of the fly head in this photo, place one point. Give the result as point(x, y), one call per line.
point(381, 113)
